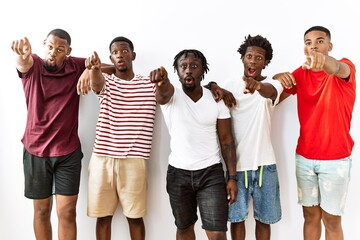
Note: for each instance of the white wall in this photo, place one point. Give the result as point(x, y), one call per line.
point(159, 30)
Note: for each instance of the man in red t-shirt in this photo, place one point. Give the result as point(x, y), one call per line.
point(325, 89)
point(52, 152)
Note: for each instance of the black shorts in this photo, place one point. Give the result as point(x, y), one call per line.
point(45, 176)
point(204, 188)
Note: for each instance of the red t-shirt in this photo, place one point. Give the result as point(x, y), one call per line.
point(325, 104)
point(53, 107)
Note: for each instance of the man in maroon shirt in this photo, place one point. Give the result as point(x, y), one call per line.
point(52, 150)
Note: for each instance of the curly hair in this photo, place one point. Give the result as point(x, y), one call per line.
point(258, 41)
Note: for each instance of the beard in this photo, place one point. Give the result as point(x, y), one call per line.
point(188, 88)
point(50, 68)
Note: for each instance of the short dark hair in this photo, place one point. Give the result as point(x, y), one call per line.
point(319, 28)
point(61, 34)
point(197, 54)
point(122, 39)
point(258, 41)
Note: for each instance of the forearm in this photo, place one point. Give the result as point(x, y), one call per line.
point(267, 90)
point(229, 155)
point(334, 67)
point(164, 91)
point(97, 79)
point(24, 65)
point(107, 68)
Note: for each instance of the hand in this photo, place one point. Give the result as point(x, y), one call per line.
point(232, 191)
point(220, 93)
point(251, 85)
point(159, 76)
point(93, 62)
point(22, 47)
point(314, 61)
point(286, 79)
point(83, 86)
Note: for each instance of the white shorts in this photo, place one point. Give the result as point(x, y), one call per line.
point(323, 182)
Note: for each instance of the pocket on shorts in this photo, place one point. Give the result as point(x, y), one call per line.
point(271, 168)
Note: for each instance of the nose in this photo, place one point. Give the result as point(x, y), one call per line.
point(53, 52)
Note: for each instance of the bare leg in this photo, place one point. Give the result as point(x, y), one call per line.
point(42, 213)
point(66, 212)
point(216, 235)
point(238, 231)
point(137, 228)
point(103, 228)
point(333, 228)
point(312, 223)
point(186, 234)
point(262, 231)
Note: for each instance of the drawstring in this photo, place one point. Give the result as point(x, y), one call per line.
point(246, 180)
point(260, 177)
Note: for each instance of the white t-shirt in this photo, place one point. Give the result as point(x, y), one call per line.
point(251, 121)
point(192, 126)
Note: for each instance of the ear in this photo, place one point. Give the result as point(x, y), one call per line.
point(330, 46)
point(265, 64)
point(68, 51)
point(133, 56)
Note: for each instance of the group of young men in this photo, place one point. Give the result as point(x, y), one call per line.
point(208, 126)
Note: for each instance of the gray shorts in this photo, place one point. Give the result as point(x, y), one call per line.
point(45, 176)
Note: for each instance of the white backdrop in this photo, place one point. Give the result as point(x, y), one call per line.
point(159, 29)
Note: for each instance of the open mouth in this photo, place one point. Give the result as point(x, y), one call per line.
point(251, 71)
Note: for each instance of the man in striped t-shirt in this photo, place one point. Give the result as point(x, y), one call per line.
point(117, 169)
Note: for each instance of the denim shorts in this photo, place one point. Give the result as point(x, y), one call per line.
point(205, 188)
point(323, 182)
point(45, 176)
point(266, 198)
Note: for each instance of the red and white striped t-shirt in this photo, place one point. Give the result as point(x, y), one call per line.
point(126, 119)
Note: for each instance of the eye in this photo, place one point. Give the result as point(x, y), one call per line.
point(183, 66)
point(259, 58)
point(125, 51)
point(193, 66)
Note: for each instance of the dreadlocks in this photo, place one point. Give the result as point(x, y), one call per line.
point(197, 54)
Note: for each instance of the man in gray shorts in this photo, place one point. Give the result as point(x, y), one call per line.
point(52, 151)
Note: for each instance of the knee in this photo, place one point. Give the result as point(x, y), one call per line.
point(262, 226)
point(67, 213)
point(42, 213)
point(104, 221)
point(135, 221)
point(312, 214)
point(331, 222)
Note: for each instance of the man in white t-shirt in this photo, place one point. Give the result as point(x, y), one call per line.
point(256, 96)
point(200, 131)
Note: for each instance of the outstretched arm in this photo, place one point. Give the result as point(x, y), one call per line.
point(24, 60)
point(83, 86)
point(317, 61)
point(92, 77)
point(164, 88)
point(265, 89)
